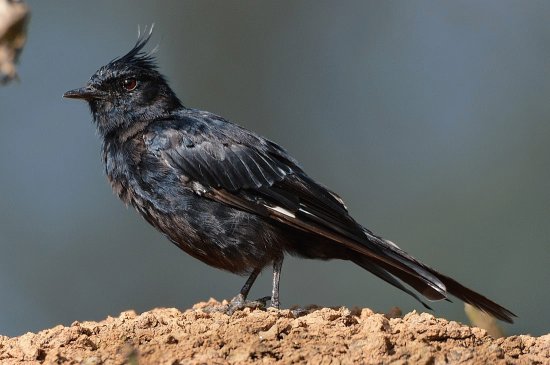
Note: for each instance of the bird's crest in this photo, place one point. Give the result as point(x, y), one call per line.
point(135, 56)
point(134, 59)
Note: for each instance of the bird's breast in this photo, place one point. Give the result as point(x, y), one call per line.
point(118, 171)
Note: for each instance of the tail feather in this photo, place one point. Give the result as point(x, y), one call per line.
point(389, 278)
point(434, 286)
point(477, 300)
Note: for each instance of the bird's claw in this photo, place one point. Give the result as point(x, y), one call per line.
point(239, 303)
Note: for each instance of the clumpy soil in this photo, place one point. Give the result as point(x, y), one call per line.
point(313, 336)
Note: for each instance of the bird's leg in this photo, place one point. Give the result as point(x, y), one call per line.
point(277, 266)
point(240, 299)
point(240, 302)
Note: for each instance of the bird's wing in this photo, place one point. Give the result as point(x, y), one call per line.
point(226, 163)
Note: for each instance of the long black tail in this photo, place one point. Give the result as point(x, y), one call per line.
point(316, 211)
point(434, 285)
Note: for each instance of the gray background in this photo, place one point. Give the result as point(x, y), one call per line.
point(431, 119)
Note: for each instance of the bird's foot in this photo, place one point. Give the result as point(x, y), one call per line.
point(239, 303)
point(299, 311)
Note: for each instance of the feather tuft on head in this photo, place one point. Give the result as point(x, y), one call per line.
point(136, 57)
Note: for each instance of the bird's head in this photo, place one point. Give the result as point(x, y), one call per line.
point(127, 90)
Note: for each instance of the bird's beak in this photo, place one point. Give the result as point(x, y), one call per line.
point(85, 93)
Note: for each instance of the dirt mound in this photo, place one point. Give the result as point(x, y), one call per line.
point(316, 336)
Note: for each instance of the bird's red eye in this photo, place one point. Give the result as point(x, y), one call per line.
point(129, 84)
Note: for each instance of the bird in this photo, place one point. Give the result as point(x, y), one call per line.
point(230, 197)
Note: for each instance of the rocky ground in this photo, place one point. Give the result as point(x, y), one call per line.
point(314, 336)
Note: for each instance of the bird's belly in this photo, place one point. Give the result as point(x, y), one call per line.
point(217, 234)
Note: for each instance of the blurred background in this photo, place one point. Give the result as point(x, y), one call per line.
point(431, 119)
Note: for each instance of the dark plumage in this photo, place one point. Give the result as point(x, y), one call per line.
point(229, 197)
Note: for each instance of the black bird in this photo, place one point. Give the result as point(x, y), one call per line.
point(227, 196)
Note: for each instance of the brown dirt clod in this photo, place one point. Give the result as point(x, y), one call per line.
point(313, 336)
